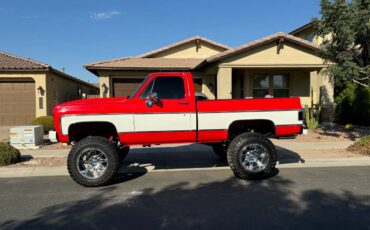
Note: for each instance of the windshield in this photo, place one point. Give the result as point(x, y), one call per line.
point(137, 89)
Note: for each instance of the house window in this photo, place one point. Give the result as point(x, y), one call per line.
point(261, 85)
point(276, 85)
point(280, 84)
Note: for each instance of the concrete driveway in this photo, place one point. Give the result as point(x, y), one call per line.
point(4, 132)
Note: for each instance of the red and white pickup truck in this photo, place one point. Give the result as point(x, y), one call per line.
point(165, 109)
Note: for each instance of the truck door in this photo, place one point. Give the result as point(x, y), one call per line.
point(170, 116)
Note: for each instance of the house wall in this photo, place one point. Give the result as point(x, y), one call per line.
point(190, 50)
point(208, 83)
point(40, 80)
point(290, 55)
point(60, 89)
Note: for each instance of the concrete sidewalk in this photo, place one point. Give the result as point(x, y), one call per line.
point(197, 157)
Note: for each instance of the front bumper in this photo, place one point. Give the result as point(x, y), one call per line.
point(53, 136)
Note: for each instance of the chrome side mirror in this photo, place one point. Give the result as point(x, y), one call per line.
point(152, 99)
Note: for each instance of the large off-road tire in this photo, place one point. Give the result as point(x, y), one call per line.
point(123, 152)
point(251, 156)
point(220, 150)
point(93, 161)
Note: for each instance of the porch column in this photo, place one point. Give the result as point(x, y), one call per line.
point(224, 83)
point(314, 93)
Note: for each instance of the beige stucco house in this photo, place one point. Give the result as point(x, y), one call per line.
point(280, 65)
point(30, 89)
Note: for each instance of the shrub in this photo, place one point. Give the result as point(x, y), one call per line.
point(8, 154)
point(353, 105)
point(46, 121)
point(361, 146)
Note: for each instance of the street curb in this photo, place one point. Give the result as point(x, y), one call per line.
point(14, 172)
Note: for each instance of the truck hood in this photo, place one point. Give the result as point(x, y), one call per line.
point(95, 101)
point(94, 106)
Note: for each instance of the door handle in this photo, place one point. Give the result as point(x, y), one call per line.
point(183, 103)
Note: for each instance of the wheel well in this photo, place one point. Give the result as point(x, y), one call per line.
point(265, 127)
point(81, 130)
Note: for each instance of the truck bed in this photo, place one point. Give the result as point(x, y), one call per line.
point(216, 116)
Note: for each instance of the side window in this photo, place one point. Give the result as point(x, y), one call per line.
point(169, 87)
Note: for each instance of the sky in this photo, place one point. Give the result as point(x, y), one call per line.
point(70, 33)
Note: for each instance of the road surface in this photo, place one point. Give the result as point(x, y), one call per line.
point(309, 198)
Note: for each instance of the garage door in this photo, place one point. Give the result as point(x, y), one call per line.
point(17, 102)
point(125, 86)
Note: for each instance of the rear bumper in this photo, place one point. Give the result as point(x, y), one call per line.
point(288, 130)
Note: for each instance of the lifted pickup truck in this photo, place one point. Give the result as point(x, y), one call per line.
point(164, 109)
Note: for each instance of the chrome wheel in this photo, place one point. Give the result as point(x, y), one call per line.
point(92, 163)
point(254, 158)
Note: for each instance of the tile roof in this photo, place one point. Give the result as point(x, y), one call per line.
point(191, 39)
point(149, 64)
point(11, 62)
point(261, 41)
point(149, 54)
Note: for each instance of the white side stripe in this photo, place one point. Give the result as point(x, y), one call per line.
point(165, 122)
point(122, 122)
point(180, 121)
point(223, 120)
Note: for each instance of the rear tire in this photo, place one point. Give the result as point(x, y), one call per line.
point(251, 156)
point(93, 161)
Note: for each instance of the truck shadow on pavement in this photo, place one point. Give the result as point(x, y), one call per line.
point(189, 156)
point(221, 204)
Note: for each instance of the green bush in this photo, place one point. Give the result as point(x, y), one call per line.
point(353, 105)
point(8, 154)
point(361, 146)
point(46, 121)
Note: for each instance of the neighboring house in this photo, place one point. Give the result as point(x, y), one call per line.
point(30, 89)
point(280, 65)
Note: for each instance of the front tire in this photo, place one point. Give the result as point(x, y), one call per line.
point(251, 156)
point(93, 161)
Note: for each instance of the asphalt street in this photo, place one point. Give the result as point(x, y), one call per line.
point(309, 198)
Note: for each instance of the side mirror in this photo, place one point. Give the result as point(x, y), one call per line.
point(152, 99)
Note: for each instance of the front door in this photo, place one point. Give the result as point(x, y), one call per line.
point(172, 118)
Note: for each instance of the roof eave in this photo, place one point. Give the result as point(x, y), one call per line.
point(173, 45)
point(93, 70)
point(58, 72)
point(218, 57)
